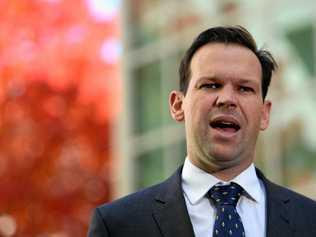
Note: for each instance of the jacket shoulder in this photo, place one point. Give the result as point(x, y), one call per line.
point(276, 191)
point(136, 210)
point(126, 216)
point(287, 193)
point(143, 200)
point(296, 198)
point(132, 203)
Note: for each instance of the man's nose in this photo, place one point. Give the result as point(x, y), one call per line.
point(226, 97)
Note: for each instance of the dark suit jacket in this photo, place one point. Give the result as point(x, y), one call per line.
point(160, 211)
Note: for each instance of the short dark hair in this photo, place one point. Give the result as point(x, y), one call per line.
point(228, 34)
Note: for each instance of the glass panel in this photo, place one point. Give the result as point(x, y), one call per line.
point(149, 169)
point(147, 98)
point(153, 167)
point(302, 41)
point(144, 24)
point(170, 67)
point(174, 156)
point(299, 162)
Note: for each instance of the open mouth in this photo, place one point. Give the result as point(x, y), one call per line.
point(225, 125)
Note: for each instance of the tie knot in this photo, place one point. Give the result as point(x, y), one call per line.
point(226, 194)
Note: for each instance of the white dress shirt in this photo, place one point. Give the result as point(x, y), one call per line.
point(250, 207)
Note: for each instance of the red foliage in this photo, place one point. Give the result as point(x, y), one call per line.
point(58, 99)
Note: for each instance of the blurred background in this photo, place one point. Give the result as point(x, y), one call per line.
point(84, 90)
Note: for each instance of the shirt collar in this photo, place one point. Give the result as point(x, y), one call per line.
point(196, 182)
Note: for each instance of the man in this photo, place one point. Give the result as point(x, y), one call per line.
point(224, 80)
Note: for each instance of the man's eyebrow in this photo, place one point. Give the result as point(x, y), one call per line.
point(247, 81)
point(214, 78)
point(208, 78)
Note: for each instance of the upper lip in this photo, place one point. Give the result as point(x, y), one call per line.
point(227, 119)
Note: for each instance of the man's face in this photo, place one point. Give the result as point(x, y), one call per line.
point(223, 109)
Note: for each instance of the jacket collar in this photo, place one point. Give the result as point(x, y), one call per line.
point(170, 210)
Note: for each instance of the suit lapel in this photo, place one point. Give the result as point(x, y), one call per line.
point(278, 221)
point(170, 210)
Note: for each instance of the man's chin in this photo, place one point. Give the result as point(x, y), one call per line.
point(224, 160)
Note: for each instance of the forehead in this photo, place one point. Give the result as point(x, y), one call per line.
point(225, 60)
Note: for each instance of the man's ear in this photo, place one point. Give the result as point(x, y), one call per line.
point(175, 105)
point(265, 119)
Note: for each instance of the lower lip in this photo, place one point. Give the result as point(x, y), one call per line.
point(225, 132)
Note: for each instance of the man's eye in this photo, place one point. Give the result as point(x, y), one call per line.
point(211, 85)
point(245, 89)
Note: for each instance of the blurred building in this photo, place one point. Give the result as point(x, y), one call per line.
point(155, 33)
point(59, 98)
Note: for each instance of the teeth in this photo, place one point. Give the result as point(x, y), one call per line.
point(227, 123)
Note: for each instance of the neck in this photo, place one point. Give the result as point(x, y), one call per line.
point(224, 173)
point(228, 174)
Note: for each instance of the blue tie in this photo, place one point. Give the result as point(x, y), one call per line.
point(227, 221)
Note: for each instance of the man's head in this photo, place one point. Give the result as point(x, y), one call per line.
point(228, 35)
point(221, 99)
